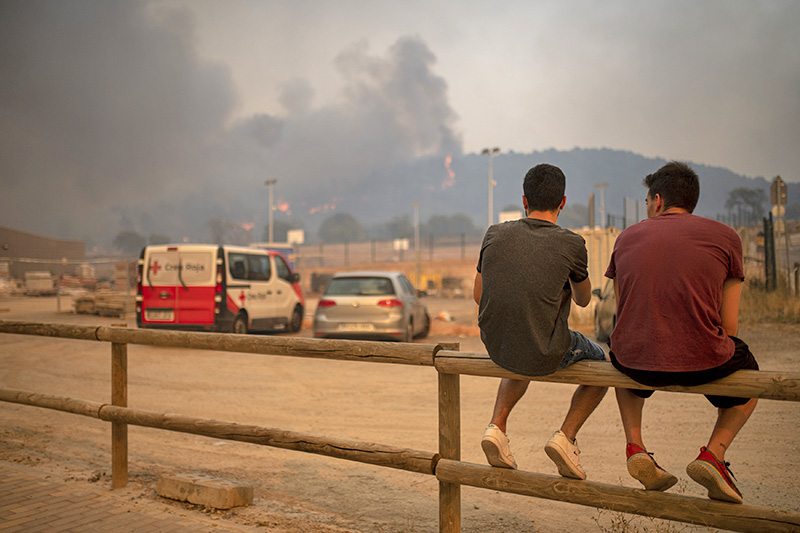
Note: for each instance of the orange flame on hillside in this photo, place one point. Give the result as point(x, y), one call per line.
point(451, 176)
point(284, 206)
point(324, 208)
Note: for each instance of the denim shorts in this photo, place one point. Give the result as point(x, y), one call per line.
point(581, 348)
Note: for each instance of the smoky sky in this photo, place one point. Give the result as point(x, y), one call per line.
point(156, 116)
point(110, 121)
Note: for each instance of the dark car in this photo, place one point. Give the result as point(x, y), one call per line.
point(605, 311)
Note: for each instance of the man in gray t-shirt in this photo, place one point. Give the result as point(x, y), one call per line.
point(528, 272)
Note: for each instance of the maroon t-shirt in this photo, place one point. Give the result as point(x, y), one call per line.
point(669, 271)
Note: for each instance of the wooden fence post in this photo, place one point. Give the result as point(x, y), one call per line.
point(119, 430)
point(449, 448)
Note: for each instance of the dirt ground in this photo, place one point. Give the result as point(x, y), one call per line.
point(388, 404)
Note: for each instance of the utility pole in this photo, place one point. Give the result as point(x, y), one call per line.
point(271, 185)
point(490, 152)
point(417, 279)
point(602, 186)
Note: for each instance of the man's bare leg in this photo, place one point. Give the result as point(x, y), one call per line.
point(630, 410)
point(730, 421)
point(584, 401)
point(509, 393)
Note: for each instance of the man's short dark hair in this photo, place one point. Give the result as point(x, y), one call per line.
point(677, 184)
point(544, 187)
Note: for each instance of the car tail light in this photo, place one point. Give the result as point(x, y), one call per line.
point(393, 302)
point(326, 303)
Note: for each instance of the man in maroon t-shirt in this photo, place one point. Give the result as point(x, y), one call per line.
point(678, 279)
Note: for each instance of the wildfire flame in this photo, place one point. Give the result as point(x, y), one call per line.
point(451, 176)
point(324, 208)
point(284, 206)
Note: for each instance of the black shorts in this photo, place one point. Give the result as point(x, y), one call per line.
point(742, 360)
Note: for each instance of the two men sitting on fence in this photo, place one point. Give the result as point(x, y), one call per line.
point(678, 278)
point(528, 271)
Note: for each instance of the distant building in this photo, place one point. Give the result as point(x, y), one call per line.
point(22, 252)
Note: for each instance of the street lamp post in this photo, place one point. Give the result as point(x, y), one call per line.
point(490, 152)
point(416, 205)
point(602, 187)
point(271, 184)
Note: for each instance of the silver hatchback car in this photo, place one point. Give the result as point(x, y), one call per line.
point(371, 305)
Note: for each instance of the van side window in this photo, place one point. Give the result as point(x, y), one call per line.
point(258, 267)
point(238, 266)
point(282, 268)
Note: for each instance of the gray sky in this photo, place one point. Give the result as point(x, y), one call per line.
point(714, 82)
point(156, 116)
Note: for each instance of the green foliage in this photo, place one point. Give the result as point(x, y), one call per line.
point(281, 229)
point(400, 227)
point(129, 242)
point(219, 229)
point(450, 226)
point(574, 216)
point(155, 238)
point(746, 206)
point(342, 227)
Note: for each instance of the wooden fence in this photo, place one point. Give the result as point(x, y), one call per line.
point(445, 464)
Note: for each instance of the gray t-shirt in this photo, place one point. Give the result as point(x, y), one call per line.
point(525, 268)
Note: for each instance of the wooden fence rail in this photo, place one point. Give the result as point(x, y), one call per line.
point(446, 465)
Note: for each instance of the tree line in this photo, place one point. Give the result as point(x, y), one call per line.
point(745, 207)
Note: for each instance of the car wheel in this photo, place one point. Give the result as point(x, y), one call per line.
point(409, 332)
point(427, 329)
point(297, 319)
point(239, 324)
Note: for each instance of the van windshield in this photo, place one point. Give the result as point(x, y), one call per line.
point(179, 268)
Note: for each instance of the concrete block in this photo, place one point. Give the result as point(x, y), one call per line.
point(205, 490)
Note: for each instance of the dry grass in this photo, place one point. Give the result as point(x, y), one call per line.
point(759, 306)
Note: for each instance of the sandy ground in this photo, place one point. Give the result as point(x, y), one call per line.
point(389, 404)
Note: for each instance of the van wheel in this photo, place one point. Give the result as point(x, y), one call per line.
point(297, 319)
point(239, 325)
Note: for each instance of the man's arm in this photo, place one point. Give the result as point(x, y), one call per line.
point(476, 289)
point(581, 292)
point(729, 310)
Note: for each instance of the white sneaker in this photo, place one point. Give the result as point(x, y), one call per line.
point(495, 446)
point(565, 454)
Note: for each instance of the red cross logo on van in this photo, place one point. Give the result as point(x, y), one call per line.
point(241, 298)
point(155, 267)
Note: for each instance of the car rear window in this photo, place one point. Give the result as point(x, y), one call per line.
point(362, 286)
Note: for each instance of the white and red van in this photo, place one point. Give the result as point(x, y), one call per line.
point(217, 288)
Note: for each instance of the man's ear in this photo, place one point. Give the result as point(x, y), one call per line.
point(525, 204)
point(563, 203)
point(659, 203)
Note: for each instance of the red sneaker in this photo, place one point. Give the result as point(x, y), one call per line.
point(644, 468)
point(714, 476)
